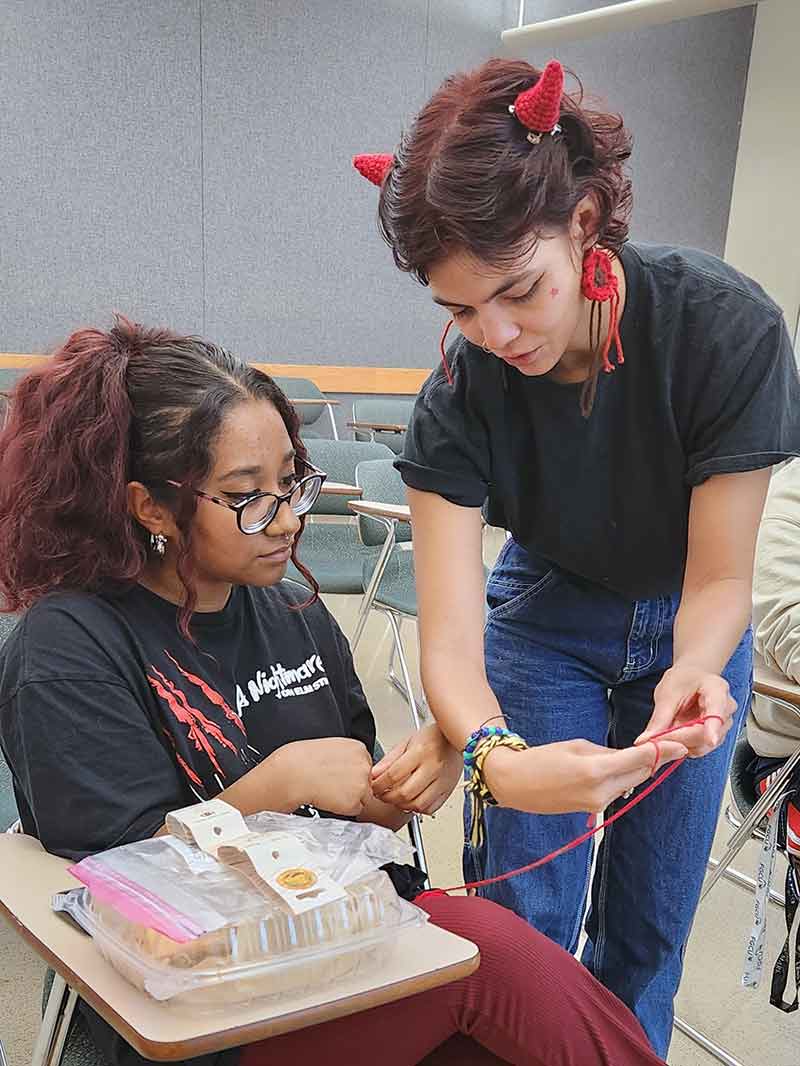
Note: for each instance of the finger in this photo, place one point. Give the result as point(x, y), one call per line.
point(389, 758)
point(405, 794)
point(403, 766)
point(690, 736)
point(666, 712)
point(640, 762)
point(431, 800)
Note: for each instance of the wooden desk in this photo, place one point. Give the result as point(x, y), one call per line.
point(397, 512)
point(321, 402)
point(378, 427)
point(335, 488)
point(423, 958)
point(769, 682)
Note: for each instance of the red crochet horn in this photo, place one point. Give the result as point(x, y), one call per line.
point(539, 107)
point(373, 167)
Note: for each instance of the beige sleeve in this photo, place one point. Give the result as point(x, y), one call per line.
point(776, 582)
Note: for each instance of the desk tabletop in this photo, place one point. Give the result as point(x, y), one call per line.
point(399, 512)
point(379, 427)
point(770, 682)
point(423, 958)
point(336, 488)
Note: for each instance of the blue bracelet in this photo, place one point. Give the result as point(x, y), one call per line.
point(481, 734)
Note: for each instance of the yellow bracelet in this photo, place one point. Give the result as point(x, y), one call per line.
point(476, 787)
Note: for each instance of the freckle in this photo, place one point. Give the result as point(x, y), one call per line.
point(554, 293)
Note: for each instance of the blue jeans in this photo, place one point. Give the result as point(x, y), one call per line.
point(566, 659)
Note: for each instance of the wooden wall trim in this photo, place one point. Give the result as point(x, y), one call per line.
point(372, 380)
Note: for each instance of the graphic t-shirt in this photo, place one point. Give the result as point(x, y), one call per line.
point(110, 718)
point(709, 386)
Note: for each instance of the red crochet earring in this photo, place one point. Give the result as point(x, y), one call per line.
point(599, 284)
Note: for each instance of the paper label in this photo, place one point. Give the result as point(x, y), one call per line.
point(287, 866)
point(208, 824)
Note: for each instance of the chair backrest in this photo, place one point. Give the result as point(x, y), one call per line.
point(389, 410)
point(380, 483)
point(9, 376)
point(8, 803)
point(303, 389)
point(339, 459)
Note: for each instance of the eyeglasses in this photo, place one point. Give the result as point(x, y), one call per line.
point(255, 512)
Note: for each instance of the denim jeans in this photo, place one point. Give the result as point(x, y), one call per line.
point(566, 659)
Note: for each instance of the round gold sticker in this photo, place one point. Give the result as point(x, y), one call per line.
point(296, 878)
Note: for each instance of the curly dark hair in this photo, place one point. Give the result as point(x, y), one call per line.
point(466, 177)
point(130, 404)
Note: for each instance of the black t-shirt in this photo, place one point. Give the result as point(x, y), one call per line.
point(709, 386)
point(110, 718)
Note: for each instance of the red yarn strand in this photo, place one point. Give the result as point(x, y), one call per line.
point(443, 353)
point(662, 777)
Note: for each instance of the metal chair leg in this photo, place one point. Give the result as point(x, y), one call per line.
point(415, 831)
point(374, 581)
point(332, 417)
point(58, 1013)
point(736, 877)
point(743, 833)
point(719, 1053)
point(3, 1059)
point(406, 674)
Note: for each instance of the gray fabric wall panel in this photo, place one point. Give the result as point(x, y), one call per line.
point(681, 90)
point(190, 162)
point(100, 182)
point(295, 269)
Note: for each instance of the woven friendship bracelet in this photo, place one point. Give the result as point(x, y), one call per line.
point(475, 786)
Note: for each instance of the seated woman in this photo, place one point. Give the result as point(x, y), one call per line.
point(152, 489)
point(773, 731)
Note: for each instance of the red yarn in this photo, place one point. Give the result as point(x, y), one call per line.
point(539, 107)
point(373, 167)
point(443, 353)
point(599, 282)
point(593, 828)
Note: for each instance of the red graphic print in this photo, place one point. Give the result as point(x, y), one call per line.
point(200, 728)
point(210, 694)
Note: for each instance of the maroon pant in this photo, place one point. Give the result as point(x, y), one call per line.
point(529, 1003)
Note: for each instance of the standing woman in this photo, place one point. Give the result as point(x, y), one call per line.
point(618, 407)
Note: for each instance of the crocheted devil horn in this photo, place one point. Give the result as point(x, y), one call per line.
point(373, 167)
point(538, 108)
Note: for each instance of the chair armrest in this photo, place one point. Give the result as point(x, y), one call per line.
point(314, 402)
point(378, 427)
point(774, 685)
point(335, 488)
point(395, 512)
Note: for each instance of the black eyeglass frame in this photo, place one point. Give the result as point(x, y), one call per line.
point(318, 476)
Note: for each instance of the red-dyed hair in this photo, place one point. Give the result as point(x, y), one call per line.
point(130, 404)
point(466, 177)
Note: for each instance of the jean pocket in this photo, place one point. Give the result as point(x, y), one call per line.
point(506, 598)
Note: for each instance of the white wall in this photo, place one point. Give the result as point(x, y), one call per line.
point(764, 226)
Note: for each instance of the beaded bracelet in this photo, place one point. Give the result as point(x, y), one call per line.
point(480, 743)
point(483, 732)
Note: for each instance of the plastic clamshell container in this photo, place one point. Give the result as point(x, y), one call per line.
point(261, 950)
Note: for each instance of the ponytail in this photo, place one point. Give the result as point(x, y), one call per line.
point(63, 472)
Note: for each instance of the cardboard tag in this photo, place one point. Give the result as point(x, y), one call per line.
point(208, 825)
point(286, 865)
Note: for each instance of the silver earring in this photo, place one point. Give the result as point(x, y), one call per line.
point(158, 542)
